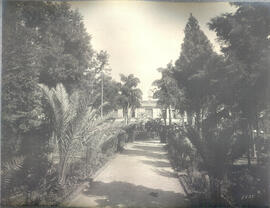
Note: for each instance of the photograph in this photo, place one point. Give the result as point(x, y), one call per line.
point(135, 104)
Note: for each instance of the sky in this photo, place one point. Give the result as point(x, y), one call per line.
point(141, 36)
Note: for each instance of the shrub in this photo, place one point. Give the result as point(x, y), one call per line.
point(130, 130)
point(163, 134)
point(122, 139)
point(9, 171)
point(33, 168)
point(141, 135)
point(181, 151)
point(153, 125)
point(249, 186)
point(110, 145)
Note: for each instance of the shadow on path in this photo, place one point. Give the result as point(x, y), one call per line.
point(165, 173)
point(157, 164)
point(149, 148)
point(120, 194)
point(140, 176)
point(135, 152)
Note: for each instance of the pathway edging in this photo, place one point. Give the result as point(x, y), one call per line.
point(142, 175)
point(86, 184)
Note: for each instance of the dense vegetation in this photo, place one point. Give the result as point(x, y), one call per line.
point(225, 98)
point(58, 99)
point(57, 103)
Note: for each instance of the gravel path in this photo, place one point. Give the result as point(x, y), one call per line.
point(141, 176)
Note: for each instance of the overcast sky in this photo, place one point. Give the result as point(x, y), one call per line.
point(143, 36)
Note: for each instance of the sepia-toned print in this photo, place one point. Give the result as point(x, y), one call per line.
point(135, 103)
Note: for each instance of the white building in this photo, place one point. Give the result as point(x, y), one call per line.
point(149, 109)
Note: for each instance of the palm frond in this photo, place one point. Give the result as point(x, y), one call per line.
point(9, 168)
point(76, 122)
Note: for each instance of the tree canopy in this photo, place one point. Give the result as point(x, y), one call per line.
point(129, 95)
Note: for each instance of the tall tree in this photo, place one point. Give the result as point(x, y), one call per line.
point(167, 91)
point(97, 79)
point(102, 57)
point(191, 69)
point(20, 72)
point(64, 44)
point(130, 95)
point(244, 38)
point(43, 42)
point(72, 118)
point(53, 46)
point(199, 72)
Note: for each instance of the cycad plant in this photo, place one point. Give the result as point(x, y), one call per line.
point(215, 146)
point(73, 119)
point(8, 169)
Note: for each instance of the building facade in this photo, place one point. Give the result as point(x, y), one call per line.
point(149, 109)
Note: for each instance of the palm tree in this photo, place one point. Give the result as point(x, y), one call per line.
point(130, 95)
point(72, 119)
point(217, 147)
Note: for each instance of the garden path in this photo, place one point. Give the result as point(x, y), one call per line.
point(140, 176)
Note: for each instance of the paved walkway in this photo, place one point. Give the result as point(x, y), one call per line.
point(141, 176)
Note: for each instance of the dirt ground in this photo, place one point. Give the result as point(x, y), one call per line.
point(141, 176)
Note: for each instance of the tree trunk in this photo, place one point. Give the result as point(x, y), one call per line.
point(165, 117)
point(87, 162)
point(198, 121)
point(62, 164)
point(62, 169)
point(215, 190)
point(257, 136)
point(189, 118)
point(249, 134)
point(170, 116)
point(51, 145)
point(246, 135)
point(125, 112)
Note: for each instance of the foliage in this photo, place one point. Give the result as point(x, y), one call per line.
point(153, 126)
point(111, 90)
point(180, 149)
point(8, 170)
point(244, 38)
point(131, 130)
point(36, 165)
point(52, 47)
point(130, 95)
point(99, 147)
point(166, 90)
point(197, 71)
point(226, 95)
point(20, 105)
point(75, 125)
point(64, 43)
point(192, 68)
point(71, 119)
point(215, 147)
